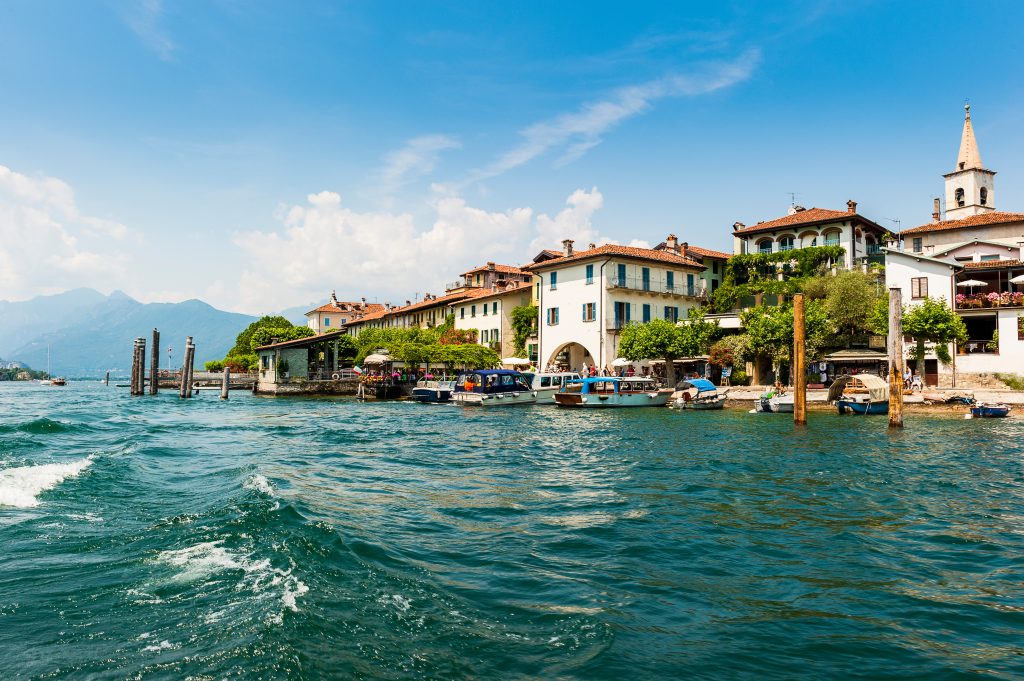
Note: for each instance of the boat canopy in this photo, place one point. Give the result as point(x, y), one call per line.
point(878, 388)
point(377, 358)
point(701, 384)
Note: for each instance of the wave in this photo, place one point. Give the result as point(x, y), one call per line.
point(258, 483)
point(21, 486)
point(37, 427)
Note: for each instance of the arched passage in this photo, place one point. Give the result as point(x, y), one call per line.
point(571, 357)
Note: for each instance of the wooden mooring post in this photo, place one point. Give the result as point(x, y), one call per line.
point(225, 383)
point(895, 347)
point(154, 364)
point(138, 381)
point(106, 379)
point(185, 389)
point(799, 362)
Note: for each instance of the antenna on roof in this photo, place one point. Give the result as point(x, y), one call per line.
point(792, 198)
point(895, 221)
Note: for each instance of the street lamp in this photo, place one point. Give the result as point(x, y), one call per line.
point(170, 364)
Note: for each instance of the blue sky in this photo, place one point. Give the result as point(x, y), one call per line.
point(257, 155)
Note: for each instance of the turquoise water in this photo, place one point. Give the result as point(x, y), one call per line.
point(290, 538)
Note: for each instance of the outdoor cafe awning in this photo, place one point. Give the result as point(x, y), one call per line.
point(856, 355)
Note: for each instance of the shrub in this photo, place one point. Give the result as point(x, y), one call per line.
point(1012, 381)
point(215, 365)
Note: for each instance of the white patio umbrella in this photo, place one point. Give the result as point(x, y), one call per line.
point(515, 361)
point(1019, 279)
point(377, 359)
point(621, 362)
point(970, 283)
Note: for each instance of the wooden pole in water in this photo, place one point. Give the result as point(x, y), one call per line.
point(224, 383)
point(106, 379)
point(140, 366)
point(895, 343)
point(799, 362)
point(191, 366)
point(154, 364)
point(183, 386)
point(135, 367)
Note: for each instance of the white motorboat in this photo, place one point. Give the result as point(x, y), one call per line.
point(698, 393)
point(492, 388)
point(612, 391)
point(547, 383)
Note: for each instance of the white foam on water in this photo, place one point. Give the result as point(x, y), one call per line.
point(21, 486)
point(163, 645)
point(259, 483)
point(259, 576)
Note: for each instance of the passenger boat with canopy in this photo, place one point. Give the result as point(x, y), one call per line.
point(860, 394)
point(612, 391)
point(699, 393)
point(493, 388)
point(547, 383)
point(433, 391)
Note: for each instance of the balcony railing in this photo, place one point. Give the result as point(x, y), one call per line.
point(977, 301)
point(656, 286)
point(975, 347)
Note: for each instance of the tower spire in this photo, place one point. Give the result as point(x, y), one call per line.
point(968, 158)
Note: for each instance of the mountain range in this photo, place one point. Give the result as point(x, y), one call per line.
point(88, 333)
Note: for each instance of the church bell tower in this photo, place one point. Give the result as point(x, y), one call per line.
point(970, 189)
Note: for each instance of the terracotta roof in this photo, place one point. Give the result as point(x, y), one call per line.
point(980, 220)
point(697, 250)
point(504, 269)
point(809, 216)
point(308, 340)
point(354, 308)
point(622, 251)
point(992, 264)
point(520, 287)
point(425, 304)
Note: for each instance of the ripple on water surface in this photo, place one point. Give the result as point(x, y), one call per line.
point(260, 538)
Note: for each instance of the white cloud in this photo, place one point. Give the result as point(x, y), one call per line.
point(322, 246)
point(144, 19)
point(417, 158)
point(47, 245)
point(576, 132)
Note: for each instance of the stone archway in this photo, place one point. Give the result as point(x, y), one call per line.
point(572, 356)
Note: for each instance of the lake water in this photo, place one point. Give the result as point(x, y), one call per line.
point(309, 538)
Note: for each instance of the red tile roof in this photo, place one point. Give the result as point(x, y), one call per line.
point(433, 302)
point(517, 287)
point(991, 264)
point(809, 216)
point(698, 251)
point(621, 251)
point(345, 307)
point(504, 269)
point(980, 220)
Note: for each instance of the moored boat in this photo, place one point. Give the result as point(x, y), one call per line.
point(990, 410)
point(493, 388)
point(547, 383)
point(773, 403)
point(433, 391)
point(860, 394)
point(612, 391)
point(699, 393)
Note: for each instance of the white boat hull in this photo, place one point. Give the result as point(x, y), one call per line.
point(509, 399)
point(774, 405)
point(651, 399)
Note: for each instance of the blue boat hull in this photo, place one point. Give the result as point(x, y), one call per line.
point(877, 408)
point(431, 395)
point(989, 412)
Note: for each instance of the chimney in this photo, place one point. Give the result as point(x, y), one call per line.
point(851, 206)
point(683, 247)
point(591, 246)
point(490, 267)
point(567, 247)
point(334, 299)
point(408, 303)
point(671, 243)
point(737, 226)
point(936, 210)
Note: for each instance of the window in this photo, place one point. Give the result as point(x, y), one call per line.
point(265, 361)
point(620, 275)
point(538, 290)
point(918, 244)
point(786, 243)
point(958, 196)
point(989, 258)
point(327, 321)
point(590, 274)
point(646, 313)
point(832, 239)
point(554, 280)
point(765, 246)
point(670, 280)
point(621, 314)
point(483, 336)
point(495, 337)
point(484, 312)
point(645, 276)
point(494, 307)
point(984, 196)
point(589, 312)
point(671, 313)
point(545, 381)
point(472, 310)
point(462, 313)
point(552, 316)
point(714, 267)
point(689, 285)
point(919, 287)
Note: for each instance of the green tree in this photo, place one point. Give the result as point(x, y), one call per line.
point(850, 298)
point(524, 322)
point(770, 331)
point(696, 334)
point(933, 321)
point(658, 338)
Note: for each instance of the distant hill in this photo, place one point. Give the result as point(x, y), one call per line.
point(21, 322)
point(96, 336)
point(297, 315)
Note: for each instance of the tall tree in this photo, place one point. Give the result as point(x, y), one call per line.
point(658, 338)
point(933, 321)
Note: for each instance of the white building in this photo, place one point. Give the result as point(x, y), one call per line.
point(489, 313)
point(974, 243)
point(861, 238)
point(587, 297)
point(336, 314)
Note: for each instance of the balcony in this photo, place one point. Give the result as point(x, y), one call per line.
point(616, 324)
point(655, 286)
point(979, 301)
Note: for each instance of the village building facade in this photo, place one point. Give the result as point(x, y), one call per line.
point(489, 313)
